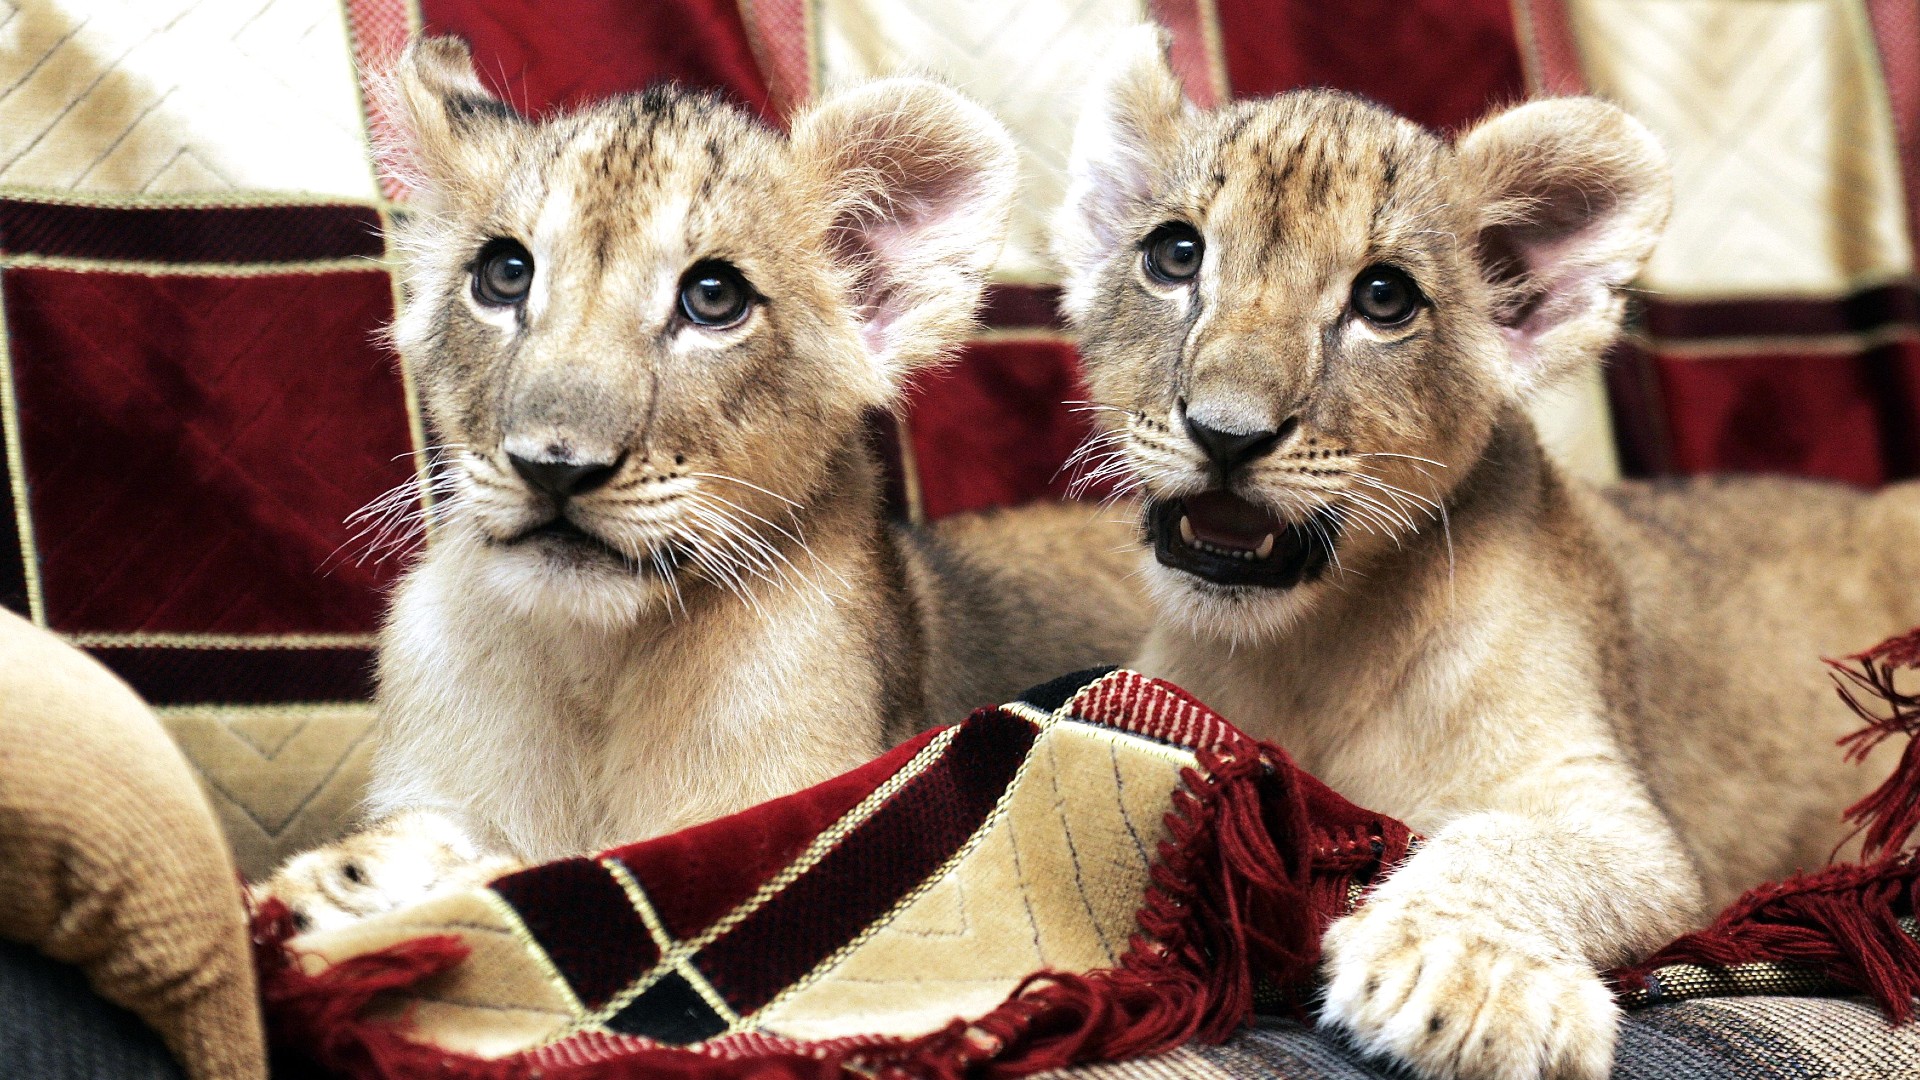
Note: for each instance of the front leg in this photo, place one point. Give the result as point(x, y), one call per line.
point(403, 859)
point(1478, 959)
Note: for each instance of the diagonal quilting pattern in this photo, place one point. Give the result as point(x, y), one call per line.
point(272, 806)
point(180, 95)
point(195, 444)
point(1786, 173)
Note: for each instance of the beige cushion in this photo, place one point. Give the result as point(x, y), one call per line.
point(110, 858)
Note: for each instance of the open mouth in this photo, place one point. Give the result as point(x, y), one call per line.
point(1220, 537)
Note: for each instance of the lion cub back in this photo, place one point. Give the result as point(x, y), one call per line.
point(1016, 597)
point(1735, 587)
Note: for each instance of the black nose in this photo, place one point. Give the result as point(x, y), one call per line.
point(562, 479)
point(1228, 450)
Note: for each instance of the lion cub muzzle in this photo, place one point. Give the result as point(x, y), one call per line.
point(560, 479)
point(1224, 537)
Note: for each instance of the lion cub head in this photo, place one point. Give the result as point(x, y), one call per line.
point(1303, 317)
point(647, 332)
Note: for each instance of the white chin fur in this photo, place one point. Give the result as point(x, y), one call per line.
point(535, 586)
point(1245, 615)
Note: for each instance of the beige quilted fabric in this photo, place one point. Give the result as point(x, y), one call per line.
point(281, 778)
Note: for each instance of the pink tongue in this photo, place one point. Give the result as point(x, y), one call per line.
point(1227, 520)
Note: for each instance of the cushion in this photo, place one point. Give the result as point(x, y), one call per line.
point(110, 857)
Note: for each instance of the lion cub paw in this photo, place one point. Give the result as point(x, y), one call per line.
point(398, 862)
point(1457, 995)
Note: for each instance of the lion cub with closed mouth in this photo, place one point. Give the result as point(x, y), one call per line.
point(1311, 326)
point(661, 588)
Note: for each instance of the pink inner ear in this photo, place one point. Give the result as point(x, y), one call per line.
point(1552, 284)
point(1545, 262)
point(886, 244)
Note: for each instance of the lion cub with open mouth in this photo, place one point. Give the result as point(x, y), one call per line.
point(1312, 326)
point(661, 588)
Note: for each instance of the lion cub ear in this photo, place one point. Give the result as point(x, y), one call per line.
point(1129, 128)
point(920, 183)
point(452, 121)
point(1573, 194)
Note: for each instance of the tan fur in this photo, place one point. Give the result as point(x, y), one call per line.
point(749, 624)
point(1604, 708)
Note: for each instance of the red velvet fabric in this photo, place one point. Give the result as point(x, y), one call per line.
point(994, 429)
point(560, 53)
point(1442, 62)
point(190, 234)
point(581, 916)
point(696, 875)
point(195, 444)
point(1846, 416)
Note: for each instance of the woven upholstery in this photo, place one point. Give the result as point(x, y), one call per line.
point(1770, 1038)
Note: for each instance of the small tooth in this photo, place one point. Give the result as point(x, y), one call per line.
point(1265, 549)
point(1186, 529)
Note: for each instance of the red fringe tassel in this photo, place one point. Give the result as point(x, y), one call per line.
point(1844, 921)
point(1891, 813)
point(1229, 893)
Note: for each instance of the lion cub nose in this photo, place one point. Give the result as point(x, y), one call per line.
point(563, 479)
point(1228, 450)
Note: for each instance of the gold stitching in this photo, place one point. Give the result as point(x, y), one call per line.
point(148, 268)
point(17, 477)
point(817, 850)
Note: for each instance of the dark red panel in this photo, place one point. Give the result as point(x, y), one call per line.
point(1639, 412)
point(569, 52)
point(585, 923)
point(13, 567)
point(194, 444)
point(1811, 415)
point(1441, 62)
point(1869, 309)
point(697, 875)
point(872, 867)
point(993, 429)
point(191, 233)
point(175, 676)
point(1008, 307)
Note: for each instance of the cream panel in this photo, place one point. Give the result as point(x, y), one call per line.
point(1786, 175)
point(1054, 881)
point(180, 96)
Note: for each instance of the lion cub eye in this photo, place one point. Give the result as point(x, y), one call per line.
point(1385, 295)
point(1173, 252)
point(714, 294)
point(503, 273)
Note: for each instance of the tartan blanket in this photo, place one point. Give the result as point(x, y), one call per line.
point(1101, 870)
